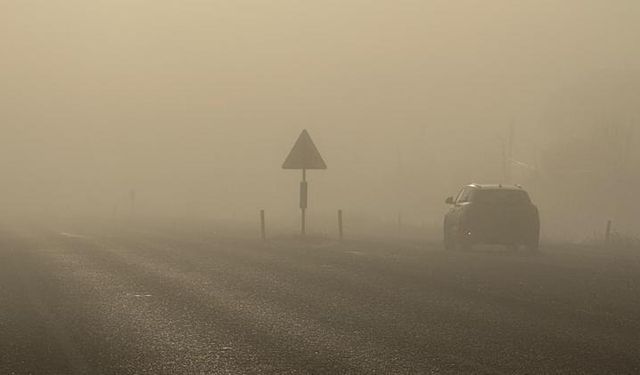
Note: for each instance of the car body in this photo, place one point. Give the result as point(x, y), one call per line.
point(491, 214)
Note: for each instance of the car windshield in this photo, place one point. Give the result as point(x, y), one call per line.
point(500, 197)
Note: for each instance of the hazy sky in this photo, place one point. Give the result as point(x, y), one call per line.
point(195, 104)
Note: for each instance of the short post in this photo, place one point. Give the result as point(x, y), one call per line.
point(340, 228)
point(607, 233)
point(132, 198)
point(263, 229)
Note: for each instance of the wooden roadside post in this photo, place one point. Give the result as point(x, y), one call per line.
point(263, 227)
point(607, 233)
point(340, 227)
point(132, 200)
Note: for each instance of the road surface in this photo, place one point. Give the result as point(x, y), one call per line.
point(162, 302)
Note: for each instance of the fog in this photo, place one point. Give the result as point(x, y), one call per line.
point(195, 104)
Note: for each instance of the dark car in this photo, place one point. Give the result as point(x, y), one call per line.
point(491, 214)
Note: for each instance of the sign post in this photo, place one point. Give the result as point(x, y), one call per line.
point(304, 155)
point(304, 201)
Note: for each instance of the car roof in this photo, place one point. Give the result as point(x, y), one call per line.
point(495, 187)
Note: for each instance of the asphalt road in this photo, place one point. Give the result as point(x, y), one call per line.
point(163, 302)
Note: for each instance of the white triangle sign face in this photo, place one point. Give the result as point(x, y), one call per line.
point(304, 155)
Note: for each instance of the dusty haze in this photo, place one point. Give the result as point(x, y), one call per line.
point(195, 104)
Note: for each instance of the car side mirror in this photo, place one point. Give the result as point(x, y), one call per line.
point(449, 200)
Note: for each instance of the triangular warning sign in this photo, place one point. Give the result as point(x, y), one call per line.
point(304, 155)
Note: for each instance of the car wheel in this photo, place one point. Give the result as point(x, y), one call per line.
point(533, 247)
point(462, 243)
point(533, 244)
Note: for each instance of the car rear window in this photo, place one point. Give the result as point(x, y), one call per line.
point(500, 197)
